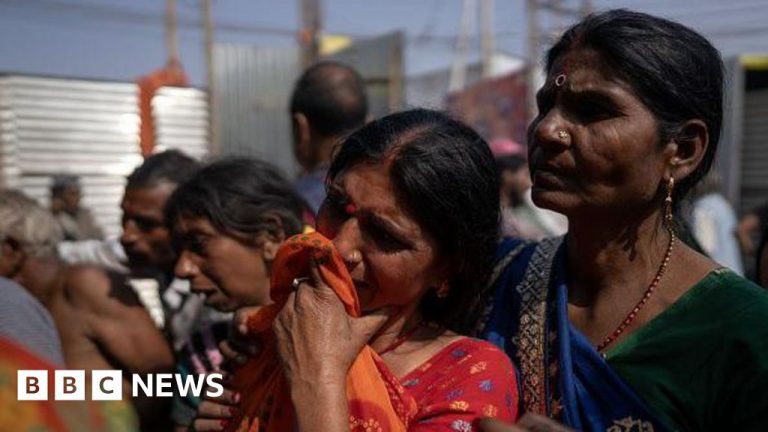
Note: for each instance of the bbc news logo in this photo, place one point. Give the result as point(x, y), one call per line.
point(107, 385)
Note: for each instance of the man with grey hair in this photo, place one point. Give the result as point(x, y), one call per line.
point(27, 230)
point(99, 317)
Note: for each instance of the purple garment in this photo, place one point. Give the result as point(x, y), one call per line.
point(311, 187)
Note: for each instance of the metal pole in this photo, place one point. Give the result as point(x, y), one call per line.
point(395, 86)
point(170, 32)
point(459, 70)
point(309, 37)
point(486, 30)
point(533, 55)
point(213, 135)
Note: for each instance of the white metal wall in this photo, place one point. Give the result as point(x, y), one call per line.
point(253, 87)
point(181, 120)
point(90, 129)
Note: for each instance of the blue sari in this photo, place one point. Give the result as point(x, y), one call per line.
point(562, 374)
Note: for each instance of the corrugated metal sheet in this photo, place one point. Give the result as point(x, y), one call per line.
point(253, 87)
point(754, 175)
point(181, 120)
point(90, 129)
point(728, 158)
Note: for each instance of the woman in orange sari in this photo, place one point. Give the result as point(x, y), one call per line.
point(413, 211)
point(412, 216)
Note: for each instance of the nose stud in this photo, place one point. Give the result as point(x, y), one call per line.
point(563, 135)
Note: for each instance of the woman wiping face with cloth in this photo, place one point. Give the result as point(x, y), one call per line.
point(412, 211)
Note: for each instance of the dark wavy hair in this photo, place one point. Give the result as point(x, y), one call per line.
point(445, 174)
point(170, 166)
point(241, 198)
point(675, 71)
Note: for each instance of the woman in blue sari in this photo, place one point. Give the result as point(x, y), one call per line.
point(620, 326)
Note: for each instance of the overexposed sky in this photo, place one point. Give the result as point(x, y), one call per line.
point(123, 39)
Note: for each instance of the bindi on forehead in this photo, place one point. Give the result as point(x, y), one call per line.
point(580, 61)
point(585, 71)
point(369, 189)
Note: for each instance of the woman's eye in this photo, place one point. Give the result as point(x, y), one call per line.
point(593, 111)
point(386, 241)
point(197, 245)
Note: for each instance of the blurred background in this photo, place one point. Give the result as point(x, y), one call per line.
point(88, 87)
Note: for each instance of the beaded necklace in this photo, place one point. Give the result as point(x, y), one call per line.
point(647, 295)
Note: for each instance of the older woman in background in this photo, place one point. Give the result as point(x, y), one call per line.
point(621, 326)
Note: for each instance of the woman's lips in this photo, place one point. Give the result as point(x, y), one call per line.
point(549, 177)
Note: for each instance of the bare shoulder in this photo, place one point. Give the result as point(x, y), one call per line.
point(90, 287)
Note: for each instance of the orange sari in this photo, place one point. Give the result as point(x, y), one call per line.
point(377, 401)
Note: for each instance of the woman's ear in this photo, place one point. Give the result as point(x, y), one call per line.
point(686, 149)
point(269, 246)
point(270, 241)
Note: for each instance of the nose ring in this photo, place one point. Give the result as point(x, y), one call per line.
point(562, 134)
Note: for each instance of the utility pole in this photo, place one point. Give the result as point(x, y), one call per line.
point(309, 35)
point(170, 32)
point(532, 71)
point(536, 10)
point(459, 70)
point(486, 32)
point(213, 135)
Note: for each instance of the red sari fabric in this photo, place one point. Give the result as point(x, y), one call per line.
point(466, 380)
point(376, 403)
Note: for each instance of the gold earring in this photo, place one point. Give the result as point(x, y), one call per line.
point(668, 217)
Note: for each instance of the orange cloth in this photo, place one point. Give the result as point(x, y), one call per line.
point(171, 75)
point(377, 402)
point(53, 415)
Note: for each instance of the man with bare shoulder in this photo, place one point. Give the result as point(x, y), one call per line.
point(97, 330)
point(109, 320)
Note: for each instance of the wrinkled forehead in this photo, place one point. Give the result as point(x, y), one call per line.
point(371, 188)
point(584, 68)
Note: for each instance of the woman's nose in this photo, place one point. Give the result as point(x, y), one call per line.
point(348, 242)
point(552, 130)
point(185, 268)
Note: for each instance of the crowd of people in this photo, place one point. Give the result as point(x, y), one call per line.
point(416, 277)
